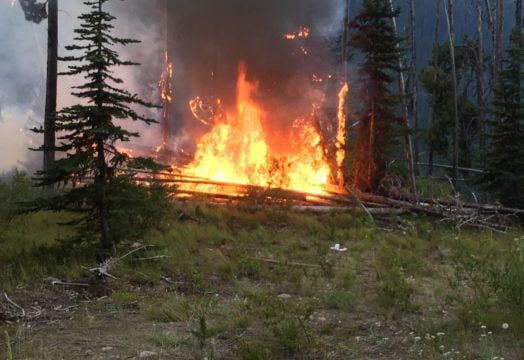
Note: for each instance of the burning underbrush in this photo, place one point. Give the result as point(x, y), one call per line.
point(237, 153)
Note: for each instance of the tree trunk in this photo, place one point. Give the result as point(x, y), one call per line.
point(413, 75)
point(101, 180)
point(498, 29)
point(408, 144)
point(480, 80)
point(51, 85)
point(451, 34)
point(102, 176)
point(518, 25)
point(434, 63)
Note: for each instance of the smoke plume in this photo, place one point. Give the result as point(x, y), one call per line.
point(206, 40)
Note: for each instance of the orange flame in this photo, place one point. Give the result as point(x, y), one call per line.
point(235, 150)
point(341, 132)
point(166, 91)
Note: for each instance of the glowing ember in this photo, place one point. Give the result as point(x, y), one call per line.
point(166, 91)
point(235, 150)
point(166, 95)
point(303, 33)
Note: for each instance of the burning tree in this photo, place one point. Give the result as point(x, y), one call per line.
point(373, 34)
point(88, 132)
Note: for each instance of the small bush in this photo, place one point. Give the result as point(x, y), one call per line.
point(508, 281)
point(15, 188)
point(253, 351)
point(173, 310)
point(395, 291)
point(338, 299)
point(166, 340)
point(287, 334)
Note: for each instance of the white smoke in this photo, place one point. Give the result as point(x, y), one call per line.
point(23, 71)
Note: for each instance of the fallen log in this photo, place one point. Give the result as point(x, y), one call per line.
point(377, 199)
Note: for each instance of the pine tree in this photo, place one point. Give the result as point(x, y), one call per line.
point(373, 34)
point(88, 131)
point(504, 173)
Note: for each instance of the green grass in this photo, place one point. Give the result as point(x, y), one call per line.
point(268, 286)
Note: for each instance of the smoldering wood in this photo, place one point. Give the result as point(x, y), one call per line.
point(488, 216)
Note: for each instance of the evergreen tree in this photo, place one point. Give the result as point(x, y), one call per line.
point(374, 36)
point(438, 82)
point(504, 173)
point(89, 133)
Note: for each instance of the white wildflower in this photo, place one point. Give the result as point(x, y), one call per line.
point(505, 326)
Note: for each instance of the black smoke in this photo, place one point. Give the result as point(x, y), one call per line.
point(208, 38)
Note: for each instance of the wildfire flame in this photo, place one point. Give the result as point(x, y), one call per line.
point(166, 95)
point(341, 131)
point(236, 150)
point(166, 91)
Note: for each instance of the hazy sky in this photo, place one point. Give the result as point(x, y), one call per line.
point(23, 69)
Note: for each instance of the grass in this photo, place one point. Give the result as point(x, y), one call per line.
point(245, 284)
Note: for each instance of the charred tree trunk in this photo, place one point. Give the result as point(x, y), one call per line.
point(451, 34)
point(408, 143)
point(345, 40)
point(51, 85)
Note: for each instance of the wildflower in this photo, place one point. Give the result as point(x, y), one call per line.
point(505, 326)
point(490, 332)
point(483, 327)
point(441, 334)
point(417, 338)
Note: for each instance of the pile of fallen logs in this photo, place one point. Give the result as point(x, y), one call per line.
point(181, 187)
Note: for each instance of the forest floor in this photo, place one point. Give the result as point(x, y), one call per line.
point(228, 283)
